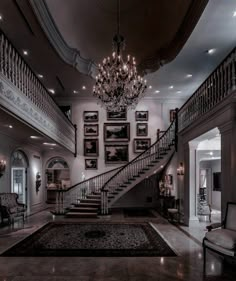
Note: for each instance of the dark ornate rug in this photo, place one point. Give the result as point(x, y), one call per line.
point(93, 239)
point(138, 213)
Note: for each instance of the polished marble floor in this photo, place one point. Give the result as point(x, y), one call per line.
point(186, 241)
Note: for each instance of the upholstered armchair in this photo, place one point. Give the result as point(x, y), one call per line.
point(10, 208)
point(221, 237)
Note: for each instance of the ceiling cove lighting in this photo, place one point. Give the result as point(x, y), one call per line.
point(118, 84)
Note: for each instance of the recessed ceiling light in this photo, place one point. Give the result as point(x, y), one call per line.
point(157, 91)
point(83, 88)
point(49, 144)
point(52, 91)
point(25, 52)
point(162, 166)
point(234, 14)
point(75, 92)
point(178, 92)
point(40, 76)
point(10, 126)
point(211, 51)
point(171, 87)
point(34, 137)
point(1, 17)
point(189, 75)
point(150, 87)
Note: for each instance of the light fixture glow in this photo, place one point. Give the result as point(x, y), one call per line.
point(211, 51)
point(25, 52)
point(40, 76)
point(171, 87)
point(234, 14)
point(83, 88)
point(75, 92)
point(150, 87)
point(10, 126)
point(52, 91)
point(34, 137)
point(157, 91)
point(178, 92)
point(1, 17)
point(189, 75)
point(49, 144)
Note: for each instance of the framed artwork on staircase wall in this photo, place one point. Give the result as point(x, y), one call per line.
point(90, 147)
point(91, 130)
point(141, 115)
point(116, 132)
point(91, 164)
point(140, 145)
point(117, 116)
point(142, 129)
point(116, 153)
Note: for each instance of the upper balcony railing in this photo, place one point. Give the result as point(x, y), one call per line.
point(27, 98)
point(215, 88)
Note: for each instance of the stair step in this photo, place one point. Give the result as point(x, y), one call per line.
point(93, 196)
point(90, 201)
point(84, 209)
point(81, 215)
point(87, 205)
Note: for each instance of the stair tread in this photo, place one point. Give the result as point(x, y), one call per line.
point(77, 214)
point(87, 204)
point(83, 208)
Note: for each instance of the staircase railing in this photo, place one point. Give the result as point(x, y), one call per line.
point(220, 83)
point(65, 198)
point(139, 164)
point(26, 97)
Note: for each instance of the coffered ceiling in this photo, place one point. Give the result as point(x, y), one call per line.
point(66, 39)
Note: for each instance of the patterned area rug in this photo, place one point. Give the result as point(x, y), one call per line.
point(93, 239)
point(138, 213)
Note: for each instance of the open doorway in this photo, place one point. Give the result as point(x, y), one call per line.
point(19, 165)
point(206, 188)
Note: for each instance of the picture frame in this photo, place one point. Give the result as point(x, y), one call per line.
point(116, 132)
point(140, 145)
point(172, 115)
point(117, 115)
point(91, 147)
point(116, 153)
point(91, 164)
point(141, 115)
point(90, 116)
point(142, 129)
point(91, 130)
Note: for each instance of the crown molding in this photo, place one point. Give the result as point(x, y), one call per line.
point(70, 55)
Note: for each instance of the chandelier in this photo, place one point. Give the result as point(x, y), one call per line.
point(118, 85)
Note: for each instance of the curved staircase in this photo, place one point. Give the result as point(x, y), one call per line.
point(97, 195)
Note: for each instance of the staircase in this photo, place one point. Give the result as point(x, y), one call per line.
point(98, 194)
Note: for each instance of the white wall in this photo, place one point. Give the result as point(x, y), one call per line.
point(35, 200)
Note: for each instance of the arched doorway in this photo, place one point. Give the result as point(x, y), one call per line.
point(19, 165)
point(57, 177)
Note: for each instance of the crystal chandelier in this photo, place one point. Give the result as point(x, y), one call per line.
point(118, 85)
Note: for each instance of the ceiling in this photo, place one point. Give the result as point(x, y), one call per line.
point(156, 33)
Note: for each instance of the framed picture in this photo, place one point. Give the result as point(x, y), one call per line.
point(90, 147)
point(116, 153)
point(117, 116)
point(91, 164)
point(90, 130)
point(141, 145)
point(116, 132)
point(142, 129)
point(90, 116)
point(172, 115)
point(141, 115)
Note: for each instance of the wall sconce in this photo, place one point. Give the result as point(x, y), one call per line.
point(38, 181)
point(2, 167)
point(180, 169)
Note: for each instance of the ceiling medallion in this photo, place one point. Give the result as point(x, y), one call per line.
point(118, 84)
